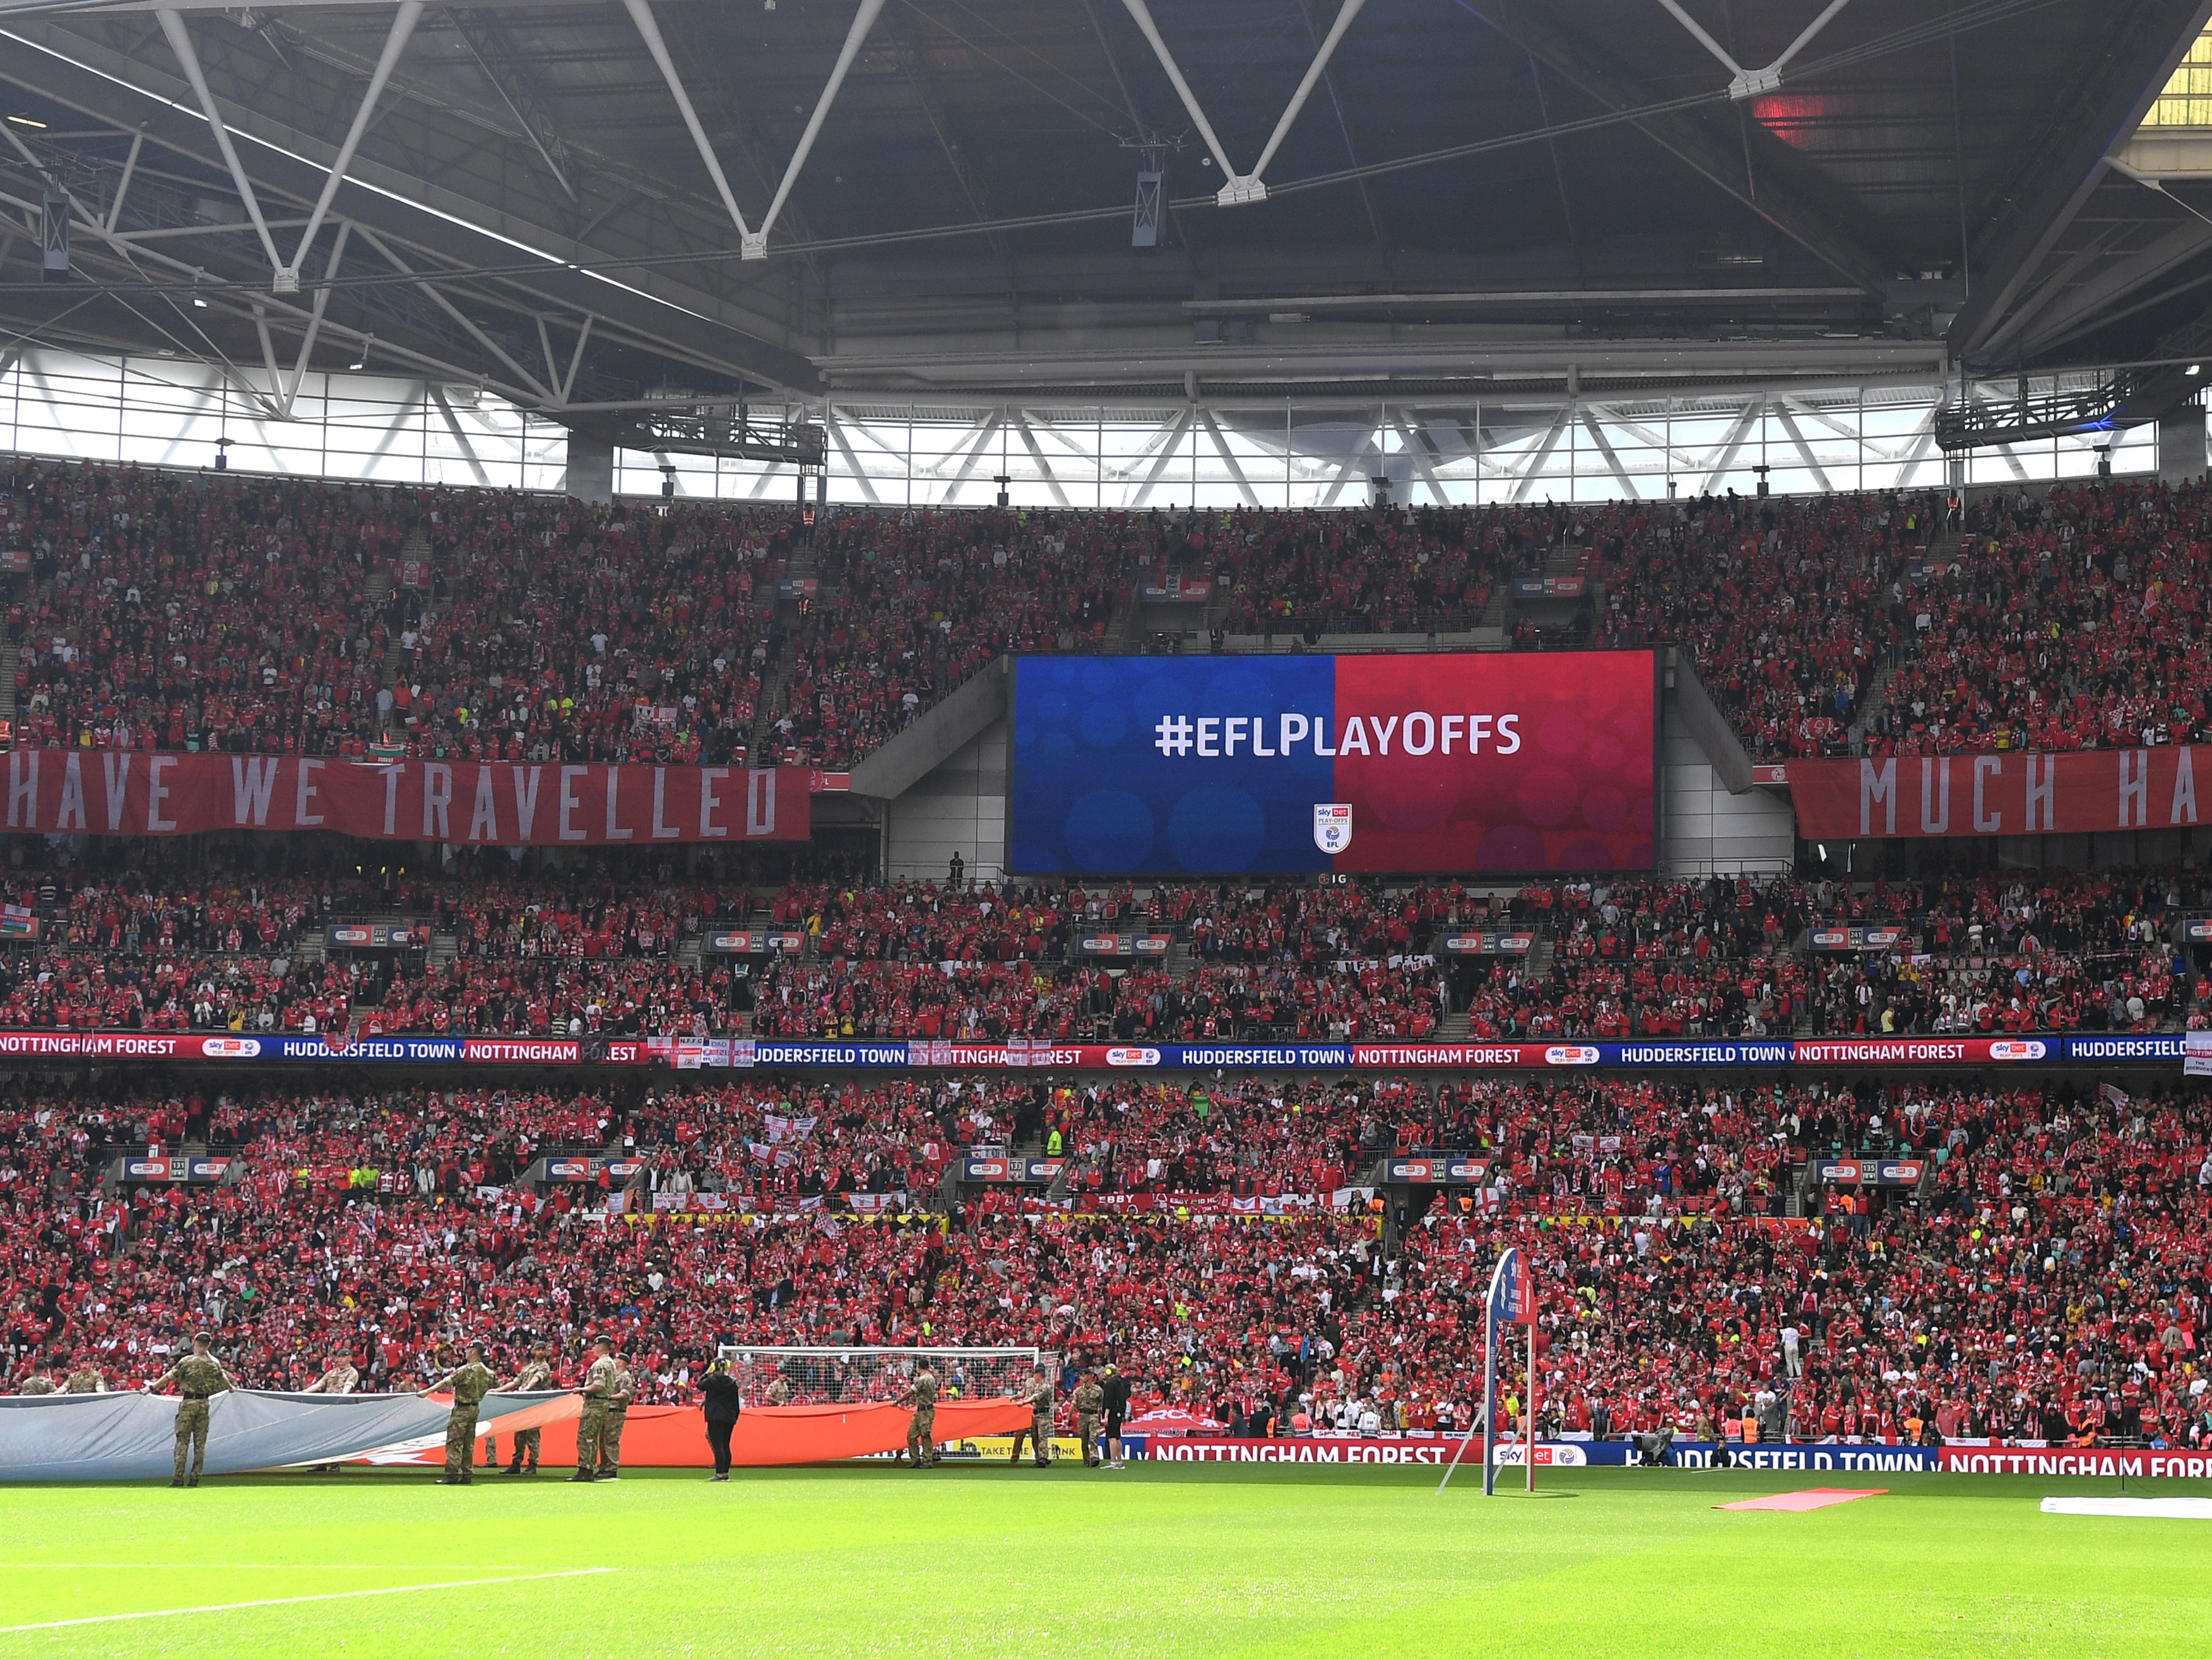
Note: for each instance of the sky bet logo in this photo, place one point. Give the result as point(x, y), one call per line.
point(1211, 737)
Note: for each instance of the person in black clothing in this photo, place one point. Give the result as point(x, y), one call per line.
point(721, 1404)
point(1115, 1389)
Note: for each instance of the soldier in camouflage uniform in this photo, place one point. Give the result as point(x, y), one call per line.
point(338, 1377)
point(599, 1383)
point(535, 1377)
point(1090, 1401)
point(470, 1382)
point(199, 1379)
point(779, 1392)
point(1039, 1398)
point(84, 1379)
point(37, 1384)
point(921, 1430)
point(619, 1397)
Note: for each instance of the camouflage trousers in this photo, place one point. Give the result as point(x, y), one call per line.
point(588, 1427)
point(460, 1441)
point(1086, 1431)
point(922, 1436)
point(525, 1449)
point(1039, 1435)
point(610, 1432)
point(192, 1432)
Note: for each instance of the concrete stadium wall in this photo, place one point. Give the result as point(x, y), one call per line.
point(959, 806)
point(1704, 830)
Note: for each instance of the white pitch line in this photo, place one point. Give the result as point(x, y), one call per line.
point(290, 1601)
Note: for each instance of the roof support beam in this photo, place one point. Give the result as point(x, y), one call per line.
point(403, 27)
point(1228, 459)
point(2030, 210)
point(983, 436)
point(123, 186)
point(1416, 446)
point(180, 42)
point(2090, 306)
point(287, 395)
point(1535, 463)
point(732, 334)
point(852, 461)
point(1169, 438)
point(1353, 461)
point(1612, 460)
point(640, 13)
point(1749, 83)
point(1797, 439)
point(486, 41)
point(1725, 458)
point(576, 358)
point(1243, 186)
point(430, 291)
point(1036, 455)
point(1754, 166)
point(754, 243)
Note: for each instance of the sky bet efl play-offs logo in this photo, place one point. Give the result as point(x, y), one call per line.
point(1332, 825)
point(1406, 764)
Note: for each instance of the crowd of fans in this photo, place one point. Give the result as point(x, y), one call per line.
point(150, 939)
point(2043, 1281)
point(622, 633)
point(160, 610)
point(914, 602)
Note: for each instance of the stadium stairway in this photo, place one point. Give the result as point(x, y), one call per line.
point(773, 683)
point(776, 677)
point(1493, 620)
point(1871, 705)
point(444, 946)
point(1125, 636)
point(10, 658)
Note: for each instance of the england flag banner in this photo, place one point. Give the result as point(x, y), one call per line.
point(1332, 825)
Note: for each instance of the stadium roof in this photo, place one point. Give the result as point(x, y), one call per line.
point(1472, 191)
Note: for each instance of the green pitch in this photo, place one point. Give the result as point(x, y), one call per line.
point(1160, 1559)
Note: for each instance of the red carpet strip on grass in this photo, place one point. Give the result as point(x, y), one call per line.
point(1813, 1498)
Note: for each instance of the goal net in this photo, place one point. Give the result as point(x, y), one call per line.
point(855, 1376)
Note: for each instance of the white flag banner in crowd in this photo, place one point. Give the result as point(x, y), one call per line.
point(2197, 1054)
point(132, 1437)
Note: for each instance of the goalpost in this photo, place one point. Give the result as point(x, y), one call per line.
point(858, 1376)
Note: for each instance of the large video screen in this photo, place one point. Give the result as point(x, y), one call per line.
point(1213, 766)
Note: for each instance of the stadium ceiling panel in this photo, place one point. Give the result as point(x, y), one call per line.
point(588, 205)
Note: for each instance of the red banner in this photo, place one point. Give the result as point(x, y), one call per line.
point(1910, 797)
point(494, 803)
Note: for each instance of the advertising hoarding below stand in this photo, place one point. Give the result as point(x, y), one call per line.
point(1485, 944)
point(1436, 1170)
point(371, 1047)
point(1155, 945)
point(1852, 936)
point(1870, 1171)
